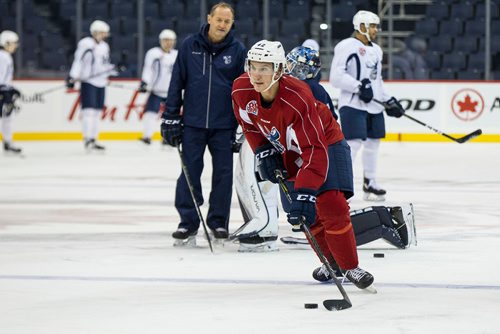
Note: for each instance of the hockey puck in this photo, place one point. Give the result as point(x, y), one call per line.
point(311, 305)
point(378, 255)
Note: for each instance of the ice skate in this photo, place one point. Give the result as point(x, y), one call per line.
point(219, 235)
point(146, 141)
point(184, 238)
point(258, 245)
point(91, 145)
point(361, 279)
point(321, 274)
point(404, 221)
point(9, 149)
point(372, 192)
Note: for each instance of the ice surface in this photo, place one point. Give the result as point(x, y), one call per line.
point(85, 247)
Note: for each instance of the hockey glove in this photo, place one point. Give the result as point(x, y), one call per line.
point(365, 91)
point(302, 209)
point(171, 129)
point(394, 108)
point(143, 87)
point(70, 83)
point(268, 161)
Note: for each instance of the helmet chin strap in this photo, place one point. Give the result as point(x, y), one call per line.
point(366, 34)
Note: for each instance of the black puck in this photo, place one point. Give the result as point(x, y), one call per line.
point(378, 255)
point(311, 305)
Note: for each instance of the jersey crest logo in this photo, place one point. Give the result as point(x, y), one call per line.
point(252, 108)
point(362, 51)
point(227, 60)
point(274, 137)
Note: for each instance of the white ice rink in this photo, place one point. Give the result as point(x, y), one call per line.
point(85, 247)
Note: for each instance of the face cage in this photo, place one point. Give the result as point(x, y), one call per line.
point(302, 71)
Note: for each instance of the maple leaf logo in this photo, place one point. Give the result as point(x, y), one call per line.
point(467, 104)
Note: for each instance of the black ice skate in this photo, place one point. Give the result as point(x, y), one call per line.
point(91, 145)
point(146, 141)
point(9, 149)
point(372, 192)
point(184, 238)
point(321, 274)
point(258, 244)
point(360, 278)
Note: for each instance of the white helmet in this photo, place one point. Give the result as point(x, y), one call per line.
point(8, 36)
point(268, 52)
point(167, 34)
point(366, 18)
point(99, 26)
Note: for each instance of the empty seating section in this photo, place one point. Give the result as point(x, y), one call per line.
point(453, 32)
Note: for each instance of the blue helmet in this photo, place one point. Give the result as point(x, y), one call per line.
point(303, 63)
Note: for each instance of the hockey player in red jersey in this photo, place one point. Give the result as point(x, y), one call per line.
point(291, 132)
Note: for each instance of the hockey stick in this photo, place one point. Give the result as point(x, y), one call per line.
point(329, 304)
point(460, 140)
point(53, 89)
point(115, 85)
point(191, 190)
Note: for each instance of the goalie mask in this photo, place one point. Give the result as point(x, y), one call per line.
point(366, 18)
point(303, 63)
point(268, 52)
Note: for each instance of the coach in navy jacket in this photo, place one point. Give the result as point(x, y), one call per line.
point(200, 98)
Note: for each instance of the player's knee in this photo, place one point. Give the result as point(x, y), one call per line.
point(333, 211)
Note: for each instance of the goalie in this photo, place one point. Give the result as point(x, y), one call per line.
point(259, 199)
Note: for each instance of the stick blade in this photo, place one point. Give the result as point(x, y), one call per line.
point(470, 136)
point(336, 304)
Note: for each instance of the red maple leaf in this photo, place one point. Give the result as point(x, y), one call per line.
point(467, 104)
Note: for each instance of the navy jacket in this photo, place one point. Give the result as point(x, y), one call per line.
point(205, 72)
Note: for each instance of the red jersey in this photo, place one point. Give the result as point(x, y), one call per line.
point(298, 126)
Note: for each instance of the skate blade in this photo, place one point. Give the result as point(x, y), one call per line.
point(371, 289)
point(185, 243)
point(259, 249)
point(373, 198)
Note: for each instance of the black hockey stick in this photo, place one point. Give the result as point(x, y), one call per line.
point(191, 190)
point(329, 304)
point(460, 140)
point(53, 89)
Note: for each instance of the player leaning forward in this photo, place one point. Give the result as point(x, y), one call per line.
point(356, 70)
point(290, 131)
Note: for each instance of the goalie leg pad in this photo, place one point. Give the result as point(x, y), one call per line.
point(258, 202)
point(376, 222)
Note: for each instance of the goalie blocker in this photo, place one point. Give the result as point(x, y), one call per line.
point(259, 205)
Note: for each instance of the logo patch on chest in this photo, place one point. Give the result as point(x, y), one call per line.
point(252, 108)
point(227, 60)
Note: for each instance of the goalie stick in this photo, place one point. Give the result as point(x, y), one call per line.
point(191, 190)
point(329, 304)
point(460, 140)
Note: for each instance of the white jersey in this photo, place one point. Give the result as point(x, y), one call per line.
point(91, 63)
point(157, 71)
point(6, 68)
point(352, 62)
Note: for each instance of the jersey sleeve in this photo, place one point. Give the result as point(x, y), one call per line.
point(147, 71)
point(252, 134)
point(83, 55)
point(338, 73)
point(310, 136)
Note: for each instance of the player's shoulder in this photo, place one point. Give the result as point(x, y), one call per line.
point(87, 42)
point(5, 55)
point(242, 83)
point(349, 42)
point(154, 51)
point(296, 89)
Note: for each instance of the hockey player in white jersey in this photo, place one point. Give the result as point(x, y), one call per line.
point(156, 75)
point(92, 68)
point(9, 42)
point(356, 70)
